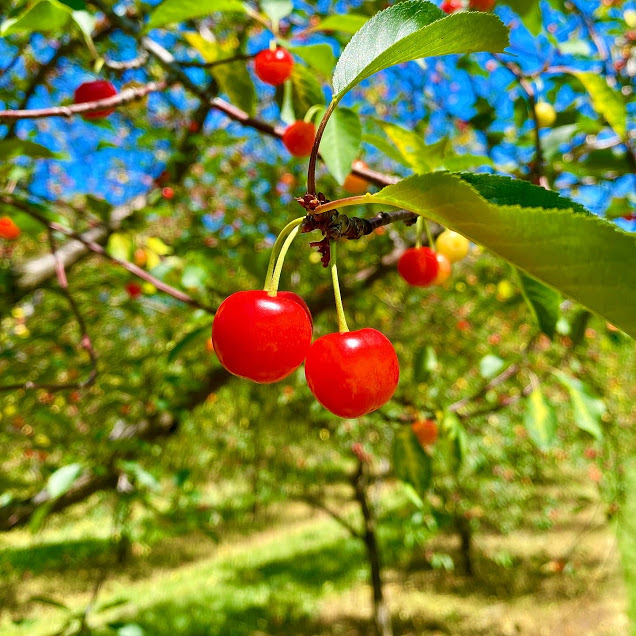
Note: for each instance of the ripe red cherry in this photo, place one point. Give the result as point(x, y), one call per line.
point(8, 229)
point(450, 6)
point(92, 91)
point(260, 337)
point(273, 67)
point(418, 266)
point(425, 431)
point(482, 5)
point(133, 290)
point(352, 373)
point(299, 138)
point(354, 184)
point(167, 193)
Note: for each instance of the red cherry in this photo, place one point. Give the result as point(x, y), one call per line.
point(450, 6)
point(352, 373)
point(299, 138)
point(273, 67)
point(425, 431)
point(133, 290)
point(92, 91)
point(167, 193)
point(418, 266)
point(353, 184)
point(8, 229)
point(260, 337)
point(482, 5)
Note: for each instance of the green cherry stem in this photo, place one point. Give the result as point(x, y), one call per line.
point(418, 232)
point(342, 319)
point(276, 249)
point(273, 288)
point(429, 236)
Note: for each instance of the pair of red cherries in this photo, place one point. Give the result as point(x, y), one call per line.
point(264, 338)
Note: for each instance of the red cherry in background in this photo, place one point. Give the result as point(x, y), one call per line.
point(261, 337)
point(8, 229)
point(450, 6)
point(418, 266)
point(92, 91)
point(167, 193)
point(133, 290)
point(273, 67)
point(299, 138)
point(425, 431)
point(352, 373)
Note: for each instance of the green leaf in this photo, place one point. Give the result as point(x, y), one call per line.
point(544, 302)
point(424, 364)
point(10, 148)
point(189, 338)
point(319, 56)
point(45, 16)
point(47, 600)
point(171, 11)
point(306, 90)
point(540, 420)
point(233, 79)
point(340, 143)
point(490, 366)
point(411, 30)
point(411, 462)
point(119, 246)
point(578, 325)
point(194, 276)
point(530, 13)
point(415, 152)
point(588, 409)
point(276, 10)
point(141, 475)
point(62, 479)
point(606, 101)
point(384, 146)
point(581, 255)
point(347, 23)
point(556, 137)
point(456, 435)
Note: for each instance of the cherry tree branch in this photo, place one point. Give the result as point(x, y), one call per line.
point(226, 60)
point(98, 249)
point(126, 96)
point(136, 62)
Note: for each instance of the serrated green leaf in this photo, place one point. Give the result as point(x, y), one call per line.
point(119, 246)
point(62, 479)
point(606, 101)
point(540, 420)
point(171, 11)
point(188, 339)
point(490, 365)
point(411, 463)
point(320, 57)
point(588, 409)
point(544, 302)
point(411, 30)
point(581, 255)
point(340, 143)
point(10, 148)
point(346, 23)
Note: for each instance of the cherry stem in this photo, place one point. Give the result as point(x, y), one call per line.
point(418, 232)
point(342, 319)
point(273, 288)
point(276, 249)
point(311, 172)
point(429, 236)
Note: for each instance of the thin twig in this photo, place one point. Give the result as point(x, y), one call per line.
point(226, 60)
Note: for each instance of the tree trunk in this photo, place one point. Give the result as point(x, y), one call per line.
point(381, 614)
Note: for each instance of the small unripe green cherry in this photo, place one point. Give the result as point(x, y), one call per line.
point(546, 115)
point(452, 245)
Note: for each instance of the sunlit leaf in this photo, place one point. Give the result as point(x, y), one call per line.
point(540, 420)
